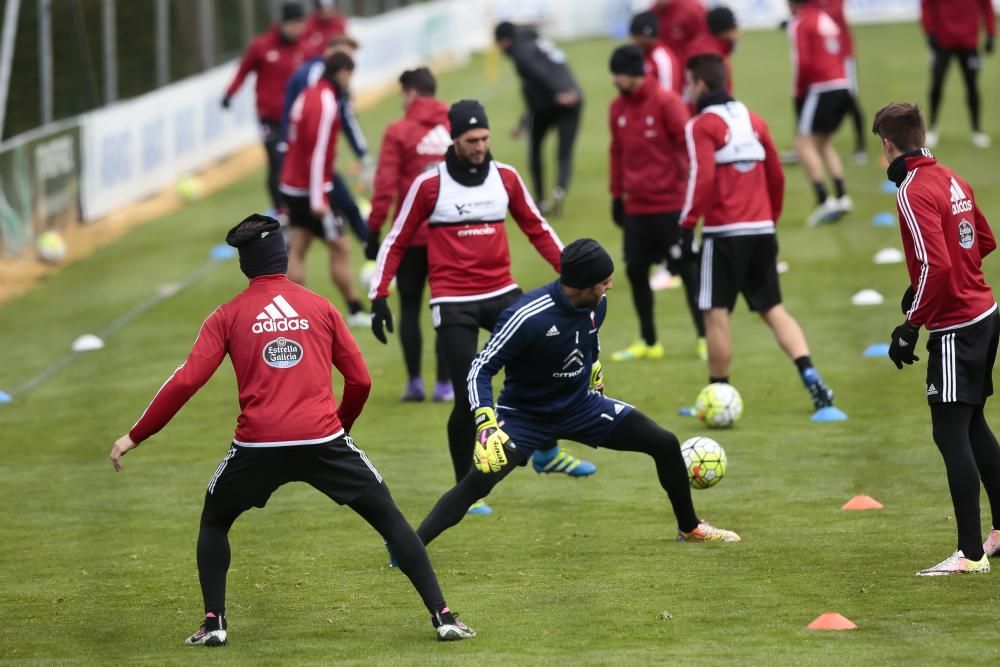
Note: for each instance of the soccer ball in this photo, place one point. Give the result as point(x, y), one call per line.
point(719, 405)
point(51, 247)
point(705, 460)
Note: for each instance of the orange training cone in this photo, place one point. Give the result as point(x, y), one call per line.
point(831, 620)
point(862, 503)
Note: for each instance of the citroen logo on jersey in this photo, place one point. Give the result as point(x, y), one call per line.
point(960, 202)
point(279, 316)
point(572, 365)
point(435, 142)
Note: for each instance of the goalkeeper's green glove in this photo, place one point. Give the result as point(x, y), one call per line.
point(597, 378)
point(489, 455)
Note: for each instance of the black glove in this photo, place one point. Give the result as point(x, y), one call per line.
point(783, 26)
point(903, 345)
point(931, 42)
point(618, 211)
point(688, 252)
point(225, 101)
point(907, 301)
point(989, 45)
point(372, 245)
point(381, 317)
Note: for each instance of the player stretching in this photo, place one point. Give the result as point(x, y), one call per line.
point(282, 340)
point(464, 202)
point(945, 238)
point(648, 178)
point(737, 186)
point(547, 343)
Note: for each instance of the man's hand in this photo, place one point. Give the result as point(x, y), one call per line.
point(489, 454)
point(122, 446)
point(225, 101)
point(618, 211)
point(381, 317)
point(372, 246)
point(907, 302)
point(568, 98)
point(904, 344)
point(989, 45)
point(596, 378)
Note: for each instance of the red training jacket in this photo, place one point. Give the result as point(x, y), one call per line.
point(319, 30)
point(835, 9)
point(663, 65)
point(817, 52)
point(468, 255)
point(680, 22)
point(945, 238)
point(410, 146)
point(312, 144)
point(282, 340)
point(274, 60)
point(736, 182)
point(649, 164)
point(955, 24)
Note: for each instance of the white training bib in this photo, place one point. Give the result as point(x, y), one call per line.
point(460, 204)
point(742, 144)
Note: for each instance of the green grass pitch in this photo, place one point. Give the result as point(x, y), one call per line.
point(98, 567)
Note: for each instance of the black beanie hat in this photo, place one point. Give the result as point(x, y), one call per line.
point(628, 60)
point(292, 11)
point(504, 30)
point(720, 20)
point(261, 245)
point(466, 115)
point(584, 263)
point(645, 24)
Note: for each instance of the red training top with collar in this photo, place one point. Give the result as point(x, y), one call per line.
point(410, 147)
point(736, 182)
point(680, 22)
point(649, 164)
point(314, 124)
point(468, 255)
point(835, 9)
point(282, 340)
point(955, 24)
point(319, 30)
point(663, 65)
point(945, 238)
point(274, 59)
point(817, 52)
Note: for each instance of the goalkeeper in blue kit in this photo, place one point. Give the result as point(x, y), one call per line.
point(548, 344)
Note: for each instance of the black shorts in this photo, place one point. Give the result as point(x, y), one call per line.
point(960, 363)
point(734, 265)
point(822, 112)
point(247, 476)
point(482, 314)
point(651, 238)
point(328, 228)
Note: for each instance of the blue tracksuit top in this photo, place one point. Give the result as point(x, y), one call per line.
point(305, 76)
point(546, 347)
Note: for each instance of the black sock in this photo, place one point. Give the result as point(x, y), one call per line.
point(354, 307)
point(803, 362)
point(722, 378)
point(838, 187)
point(821, 193)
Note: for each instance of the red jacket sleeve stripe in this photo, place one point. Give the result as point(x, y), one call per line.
point(919, 249)
point(318, 167)
point(389, 255)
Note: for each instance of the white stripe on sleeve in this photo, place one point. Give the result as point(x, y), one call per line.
point(318, 167)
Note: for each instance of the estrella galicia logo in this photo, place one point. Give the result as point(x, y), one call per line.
point(282, 353)
point(966, 234)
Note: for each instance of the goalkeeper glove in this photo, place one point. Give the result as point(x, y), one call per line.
point(904, 342)
point(489, 454)
point(596, 378)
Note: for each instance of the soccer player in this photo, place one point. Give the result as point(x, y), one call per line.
point(308, 74)
point(661, 63)
point(463, 203)
point(953, 28)
point(411, 146)
point(547, 343)
point(649, 171)
point(945, 238)
point(306, 181)
point(737, 186)
point(835, 9)
point(283, 340)
point(822, 99)
point(273, 57)
point(553, 100)
point(324, 24)
point(720, 39)
point(681, 21)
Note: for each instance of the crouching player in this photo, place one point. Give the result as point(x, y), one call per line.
point(290, 428)
point(548, 343)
